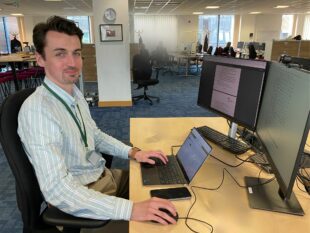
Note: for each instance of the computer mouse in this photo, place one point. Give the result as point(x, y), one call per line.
point(170, 214)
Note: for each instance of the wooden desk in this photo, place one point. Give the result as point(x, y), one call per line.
point(17, 58)
point(187, 58)
point(226, 209)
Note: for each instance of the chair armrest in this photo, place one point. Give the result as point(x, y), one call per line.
point(56, 217)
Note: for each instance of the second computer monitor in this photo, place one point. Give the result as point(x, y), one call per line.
point(240, 45)
point(232, 88)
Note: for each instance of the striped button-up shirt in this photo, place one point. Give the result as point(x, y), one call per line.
point(55, 148)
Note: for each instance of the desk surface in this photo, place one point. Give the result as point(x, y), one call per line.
point(17, 58)
point(226, 209)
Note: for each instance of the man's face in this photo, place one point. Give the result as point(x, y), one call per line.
point(63, 60)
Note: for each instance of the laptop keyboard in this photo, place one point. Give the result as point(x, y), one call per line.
point(169, 173)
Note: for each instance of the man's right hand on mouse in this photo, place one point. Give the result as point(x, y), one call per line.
point(149, 211)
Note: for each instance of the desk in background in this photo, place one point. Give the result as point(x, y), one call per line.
point(226, 209)
point(196, 57)
point(16, 57)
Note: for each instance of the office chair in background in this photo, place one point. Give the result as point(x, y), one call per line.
point(142, 75)
point(28, 194)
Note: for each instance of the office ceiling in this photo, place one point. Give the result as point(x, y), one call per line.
point(169, 7)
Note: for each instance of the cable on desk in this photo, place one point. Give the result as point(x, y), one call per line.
point(198, 220)
point(228, 123)
point(174, 147)
point(298, 180)
point(304, 179)
point(249, 161)
point(216, 188)
point(227, 164)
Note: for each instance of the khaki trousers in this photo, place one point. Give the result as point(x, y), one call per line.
point(112, 182)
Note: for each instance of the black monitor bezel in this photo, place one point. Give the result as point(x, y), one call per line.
point(286, 191)
point(233, 119)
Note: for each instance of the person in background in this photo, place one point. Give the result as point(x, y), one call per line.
point(64, 145)
point(226, 49)
point(218, 51)
point(198, 47)
point(232, 52)
point(298, 37)
point(16, 46)
point(252, 51)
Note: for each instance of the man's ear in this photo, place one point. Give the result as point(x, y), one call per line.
point(40, 60)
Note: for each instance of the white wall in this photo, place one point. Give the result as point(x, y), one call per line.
point(300, 20)
point(187, 29)
point(113, 67)
point(247, 26)
point(265, 28)
point(29, 23)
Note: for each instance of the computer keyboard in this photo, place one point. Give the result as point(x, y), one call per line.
point(260, 160)
point(230, 144)
point(170, 173)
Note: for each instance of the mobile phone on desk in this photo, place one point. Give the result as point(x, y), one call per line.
point(181, 193)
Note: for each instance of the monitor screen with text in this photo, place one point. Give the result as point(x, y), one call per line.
point(232, 88)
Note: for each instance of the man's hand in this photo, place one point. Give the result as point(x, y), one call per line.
point(149, 211)
point(145, 156)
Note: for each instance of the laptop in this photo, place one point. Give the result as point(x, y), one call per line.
point(183, 166)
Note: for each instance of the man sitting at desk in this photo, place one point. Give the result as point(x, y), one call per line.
point(63, 142)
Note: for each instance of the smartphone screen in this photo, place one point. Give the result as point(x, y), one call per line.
point(171, 193)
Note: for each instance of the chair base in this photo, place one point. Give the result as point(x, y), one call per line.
point(145, 97)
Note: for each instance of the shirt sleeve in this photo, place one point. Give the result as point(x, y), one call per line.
point(58, 186)
point(107, 144)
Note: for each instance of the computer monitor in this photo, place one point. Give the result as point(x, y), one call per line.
point(256, 45)
point(240, 45)
point(232, 88)
point(262, 46)
point(282, 127)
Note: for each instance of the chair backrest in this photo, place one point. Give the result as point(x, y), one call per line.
point(141, 68)
point(28, 194)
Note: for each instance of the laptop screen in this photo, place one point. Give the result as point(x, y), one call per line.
point(193, 153)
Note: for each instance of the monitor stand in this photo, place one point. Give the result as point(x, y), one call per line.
point(266, 197)
point(233, 130)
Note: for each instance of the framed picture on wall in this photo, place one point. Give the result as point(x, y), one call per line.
point(111, 32)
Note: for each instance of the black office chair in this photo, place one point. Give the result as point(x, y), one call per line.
point(28, 194)
point(142, 73)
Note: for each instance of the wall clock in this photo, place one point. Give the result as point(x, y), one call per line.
point(109, 14)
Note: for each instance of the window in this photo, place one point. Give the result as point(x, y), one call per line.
point(226, 30)
point(8, 28)
point(287, 26)
point(306, 31)
point(154, 29)
point(220, 29)
point(208, 25)
point(83, 23)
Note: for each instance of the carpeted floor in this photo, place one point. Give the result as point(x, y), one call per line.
point(178, 98)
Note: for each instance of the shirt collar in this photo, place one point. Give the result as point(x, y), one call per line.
point(70, 100)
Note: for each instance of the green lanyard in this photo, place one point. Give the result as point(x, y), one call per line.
point(83, 134)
